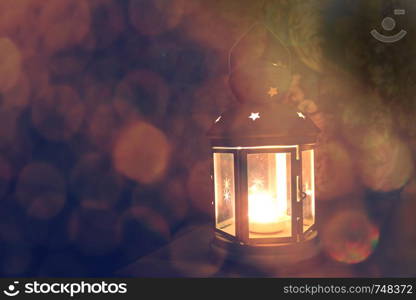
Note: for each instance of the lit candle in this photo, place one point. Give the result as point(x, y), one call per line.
point(268, 212)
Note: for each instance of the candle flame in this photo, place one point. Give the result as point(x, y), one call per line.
point(265, 207)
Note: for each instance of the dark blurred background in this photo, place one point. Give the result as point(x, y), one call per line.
point(104, 105)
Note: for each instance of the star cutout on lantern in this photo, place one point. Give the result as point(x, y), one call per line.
point(227, 183)
point(254, 116)
point(301, 115)
point(227, 196)
point(227, 192)
point(272, 92)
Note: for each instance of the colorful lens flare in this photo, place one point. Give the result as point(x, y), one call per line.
point(349, 237)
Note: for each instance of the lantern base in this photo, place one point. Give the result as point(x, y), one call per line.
point(269, 254)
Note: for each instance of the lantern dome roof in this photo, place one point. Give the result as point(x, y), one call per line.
point(258, 61)
point(262, 124)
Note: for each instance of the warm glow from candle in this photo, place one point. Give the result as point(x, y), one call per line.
point(267, 211)
point(263, 208)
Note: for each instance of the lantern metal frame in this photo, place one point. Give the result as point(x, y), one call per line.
point(301, 244)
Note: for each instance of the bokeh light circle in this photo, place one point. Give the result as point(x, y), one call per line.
point(18, 97)
point(10, 64)
point(63, 23)
point(349, 237)
point(142, 153)
point(386, 167)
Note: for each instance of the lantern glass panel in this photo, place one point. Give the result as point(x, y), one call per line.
point(224, 192)
point(308, 187)
point(269, 195)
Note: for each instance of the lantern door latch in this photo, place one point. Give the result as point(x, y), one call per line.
point(301, 195)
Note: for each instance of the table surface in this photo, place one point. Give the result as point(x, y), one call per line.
point(189, 255)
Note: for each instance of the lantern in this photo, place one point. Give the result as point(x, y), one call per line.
point(263, 171)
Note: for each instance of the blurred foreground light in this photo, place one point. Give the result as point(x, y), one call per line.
point(386, 167)
point(384, 161)
point(41, 190)
point(349, 237)
point(142, 153)
point(366, 121)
